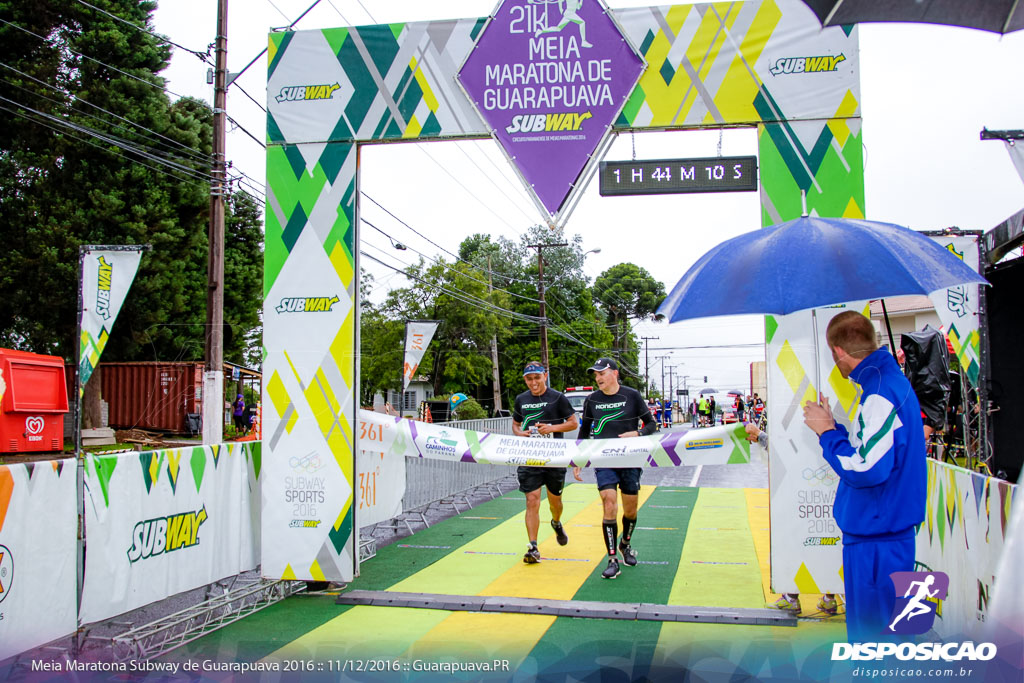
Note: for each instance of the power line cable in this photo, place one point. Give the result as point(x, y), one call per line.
point(445, 265)
point(271, 3)
point(264, 50)
point(92, 59)
point(460, 296)
point(367, 11)
point(199, 155)
point(507, 278)
point(97, 118)
point(459, 183)
point(203, 56)
point(111, 139)
point(244, 92)
point(475, 300)
point(347, 22)
point(88, 142)
point(242, 128)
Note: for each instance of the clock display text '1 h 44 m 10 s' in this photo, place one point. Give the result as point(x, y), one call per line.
point(671, 176)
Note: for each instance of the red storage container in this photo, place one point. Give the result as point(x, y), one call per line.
point(155, 396)
point(34, 400)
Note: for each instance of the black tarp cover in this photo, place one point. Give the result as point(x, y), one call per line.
point(927, 368)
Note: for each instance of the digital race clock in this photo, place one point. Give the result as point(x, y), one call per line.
point(671, 176)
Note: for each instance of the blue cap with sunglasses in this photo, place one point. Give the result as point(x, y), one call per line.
point(533, 368)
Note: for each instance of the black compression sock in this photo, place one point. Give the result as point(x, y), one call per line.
point(627, 529)
point(611, 532)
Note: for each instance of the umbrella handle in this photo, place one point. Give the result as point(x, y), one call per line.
point(888, 328)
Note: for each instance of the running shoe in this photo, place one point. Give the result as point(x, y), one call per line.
point(559, 533)
point(612, 570)
point(788, 604)
point(628, 554)
point(828, 604)
point(532, 555)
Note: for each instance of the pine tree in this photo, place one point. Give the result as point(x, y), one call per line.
point(93, 151)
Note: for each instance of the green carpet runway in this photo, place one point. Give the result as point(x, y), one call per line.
point(696, 547)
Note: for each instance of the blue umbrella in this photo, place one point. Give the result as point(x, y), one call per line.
point(813, 262)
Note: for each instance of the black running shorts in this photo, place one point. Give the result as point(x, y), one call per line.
point(532, 478)
point(627, 479)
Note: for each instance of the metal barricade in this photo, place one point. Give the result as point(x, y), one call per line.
point(430, 481)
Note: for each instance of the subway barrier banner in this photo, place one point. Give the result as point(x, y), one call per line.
point(957, 307)
point(37, 554)
point(709, 446)
point(162, 522)
point(963, 535)
point(107, 275)
point(418, 334)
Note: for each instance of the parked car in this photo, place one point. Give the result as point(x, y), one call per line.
point(576, 396)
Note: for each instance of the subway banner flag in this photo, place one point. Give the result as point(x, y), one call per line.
point(107, 275)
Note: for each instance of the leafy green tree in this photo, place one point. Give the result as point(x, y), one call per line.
point(627, 291)
point(452, 293)
point(86, 138)
point(381, 355)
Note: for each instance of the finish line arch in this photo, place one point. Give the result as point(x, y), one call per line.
point(755, 63)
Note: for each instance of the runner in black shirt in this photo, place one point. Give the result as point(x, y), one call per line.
point(541, 412)
point(614, 412)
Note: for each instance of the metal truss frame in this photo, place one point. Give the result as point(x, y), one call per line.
point(168, 633)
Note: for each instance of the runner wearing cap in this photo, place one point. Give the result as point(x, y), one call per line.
point(611, 412)
point(542, 412)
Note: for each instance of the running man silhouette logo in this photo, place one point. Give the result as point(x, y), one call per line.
point(917, 597)
point(569, 9)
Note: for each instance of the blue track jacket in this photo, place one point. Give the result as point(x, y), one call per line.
point(882, 469)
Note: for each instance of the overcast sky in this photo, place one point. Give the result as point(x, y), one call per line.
point(927, 91)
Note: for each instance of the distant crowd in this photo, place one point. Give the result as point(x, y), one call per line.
point(705, 411)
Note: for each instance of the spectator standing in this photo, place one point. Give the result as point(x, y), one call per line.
point(882, 471)
point(238, 411)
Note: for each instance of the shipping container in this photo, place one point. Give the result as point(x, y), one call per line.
point(152, 395)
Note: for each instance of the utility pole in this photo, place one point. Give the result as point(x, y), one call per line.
point(494, 349)
point(543, 306)
point(671, 391)
point(213, 379)
point(647, 366)
point(662, 359)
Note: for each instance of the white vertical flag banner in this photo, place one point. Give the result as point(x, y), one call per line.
point(957, 307)
point(1017, 156)
point(107, 275)
point(418, 334)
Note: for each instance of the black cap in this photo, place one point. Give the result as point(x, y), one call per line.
point(604, 364)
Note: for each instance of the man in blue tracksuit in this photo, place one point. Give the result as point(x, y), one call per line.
point(882, 473)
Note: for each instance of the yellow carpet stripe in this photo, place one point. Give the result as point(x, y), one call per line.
point(515, 636)
point(393, 630)
point(681, 645)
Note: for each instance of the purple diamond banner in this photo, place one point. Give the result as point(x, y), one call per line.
point(549, 78)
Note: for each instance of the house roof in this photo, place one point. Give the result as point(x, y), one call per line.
point(899, 306)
